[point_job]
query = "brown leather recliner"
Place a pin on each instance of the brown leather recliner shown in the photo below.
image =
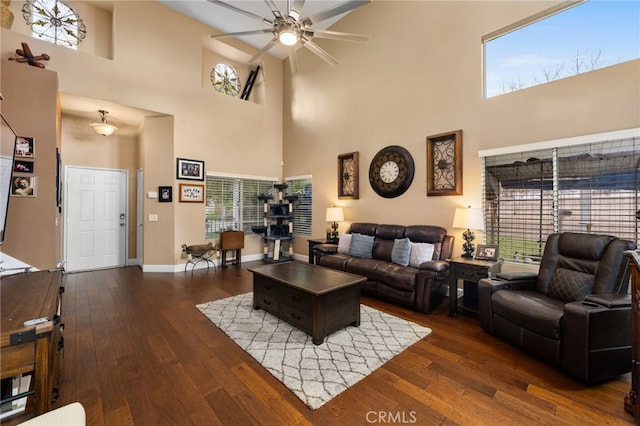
(575, 313)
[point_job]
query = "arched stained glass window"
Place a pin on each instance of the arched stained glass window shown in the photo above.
(54, 21)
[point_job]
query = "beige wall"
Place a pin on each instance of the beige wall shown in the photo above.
(31, 107)
(421, 75)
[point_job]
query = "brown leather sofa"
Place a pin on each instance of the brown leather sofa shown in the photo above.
(575, 313)
(418, 287)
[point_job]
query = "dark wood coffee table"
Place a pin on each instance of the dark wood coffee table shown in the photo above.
(317, 300)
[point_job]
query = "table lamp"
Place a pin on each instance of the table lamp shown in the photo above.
(470, 219)
(335, 215)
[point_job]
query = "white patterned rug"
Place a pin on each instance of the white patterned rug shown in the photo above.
(315, 374)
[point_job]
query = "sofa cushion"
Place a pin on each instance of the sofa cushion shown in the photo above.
(364, 267)
(344, 243)
(420, 253)
(570, 286)
(361, 245)
(530, 310)
(401, 251)
(396, 276)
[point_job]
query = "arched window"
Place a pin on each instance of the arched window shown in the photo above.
(54, 21)
(225, 79)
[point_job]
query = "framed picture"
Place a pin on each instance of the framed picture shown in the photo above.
(165, 194)
(191, 193)
(348, 172)
(487, 252)
(25, 147)
(189, 169)
(23, 186)
(23, 166)
(444, 164)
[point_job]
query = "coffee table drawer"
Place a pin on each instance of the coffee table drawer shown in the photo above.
(297, 318)
(296, 298)
(266, 302)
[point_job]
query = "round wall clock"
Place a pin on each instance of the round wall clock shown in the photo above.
(391, 171)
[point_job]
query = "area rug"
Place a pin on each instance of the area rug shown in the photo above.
(314, 373)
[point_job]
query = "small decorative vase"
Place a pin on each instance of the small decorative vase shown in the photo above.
(5, 14)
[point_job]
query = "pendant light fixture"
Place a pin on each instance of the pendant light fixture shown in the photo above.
(103, 128)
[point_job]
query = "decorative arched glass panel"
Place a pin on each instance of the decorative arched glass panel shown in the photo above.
(54, 21)
(225, 79)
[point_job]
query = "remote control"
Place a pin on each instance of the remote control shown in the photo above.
(35, 321)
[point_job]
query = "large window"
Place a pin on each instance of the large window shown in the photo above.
(301, 186)
(561, 42)
(590, 187)
(232, 203)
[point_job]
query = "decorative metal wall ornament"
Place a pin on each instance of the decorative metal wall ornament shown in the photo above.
(54, 22)
(348, 175)
(444, 164)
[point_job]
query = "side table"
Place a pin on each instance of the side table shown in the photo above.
(231, 241)
(315, 242)
(470, 271)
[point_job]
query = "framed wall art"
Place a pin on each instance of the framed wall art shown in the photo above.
(348, 172)
(23, 166)
(487, 252)
(191, 193)
(25, 147)
(23, 186)
(189, 169)
(165, 194)
(444, 164)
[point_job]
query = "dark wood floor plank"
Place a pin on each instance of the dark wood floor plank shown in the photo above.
(138, 351)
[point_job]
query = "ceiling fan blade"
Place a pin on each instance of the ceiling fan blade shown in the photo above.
(293, 59)
(336, 10)
(242, 11)
(335, 35)
(294, 11)
(264, 50)
(274, 9)
(242, 33)
(320, 52)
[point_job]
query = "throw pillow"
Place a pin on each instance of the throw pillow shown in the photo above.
(344, 244)
(401, 251)
(420, 253)
(361, 245)
(570, 286)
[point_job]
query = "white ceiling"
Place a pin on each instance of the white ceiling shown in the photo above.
(215, 16)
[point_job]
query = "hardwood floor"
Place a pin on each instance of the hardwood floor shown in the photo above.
(137, 351)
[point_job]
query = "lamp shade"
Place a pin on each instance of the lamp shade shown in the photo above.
(335, 214)
(468, 218)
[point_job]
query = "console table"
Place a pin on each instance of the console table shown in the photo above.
(32, 350)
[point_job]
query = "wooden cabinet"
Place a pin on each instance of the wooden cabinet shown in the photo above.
(632, 400)
(31, 350)
(231, 241)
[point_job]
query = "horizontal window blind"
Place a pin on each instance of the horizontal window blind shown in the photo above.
(591, 188)
(302, 212)
(232, 203)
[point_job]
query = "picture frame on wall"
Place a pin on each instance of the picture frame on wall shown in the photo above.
(487, 252)
(165, 194)
(348, 176)
(444, 164)
(191, 193)
(25, 147)
(23, 186)
(189, 169)
(23, 166)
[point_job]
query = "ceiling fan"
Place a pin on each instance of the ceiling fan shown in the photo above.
(293, 30)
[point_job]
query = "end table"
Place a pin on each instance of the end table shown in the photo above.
(470, 271)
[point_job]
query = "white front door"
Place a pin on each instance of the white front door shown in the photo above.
(96, 218)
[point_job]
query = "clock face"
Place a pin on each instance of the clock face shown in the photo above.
(391, 171)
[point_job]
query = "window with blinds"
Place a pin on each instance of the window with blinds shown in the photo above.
(591, 188)
(232, 203)
(302, 187)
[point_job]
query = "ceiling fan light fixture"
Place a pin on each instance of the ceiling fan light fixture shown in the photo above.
(103, 128)
(288, 37)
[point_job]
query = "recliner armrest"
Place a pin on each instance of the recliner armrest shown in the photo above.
(435, 265)
(610, 300)
(488, 286)
(326, 248)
